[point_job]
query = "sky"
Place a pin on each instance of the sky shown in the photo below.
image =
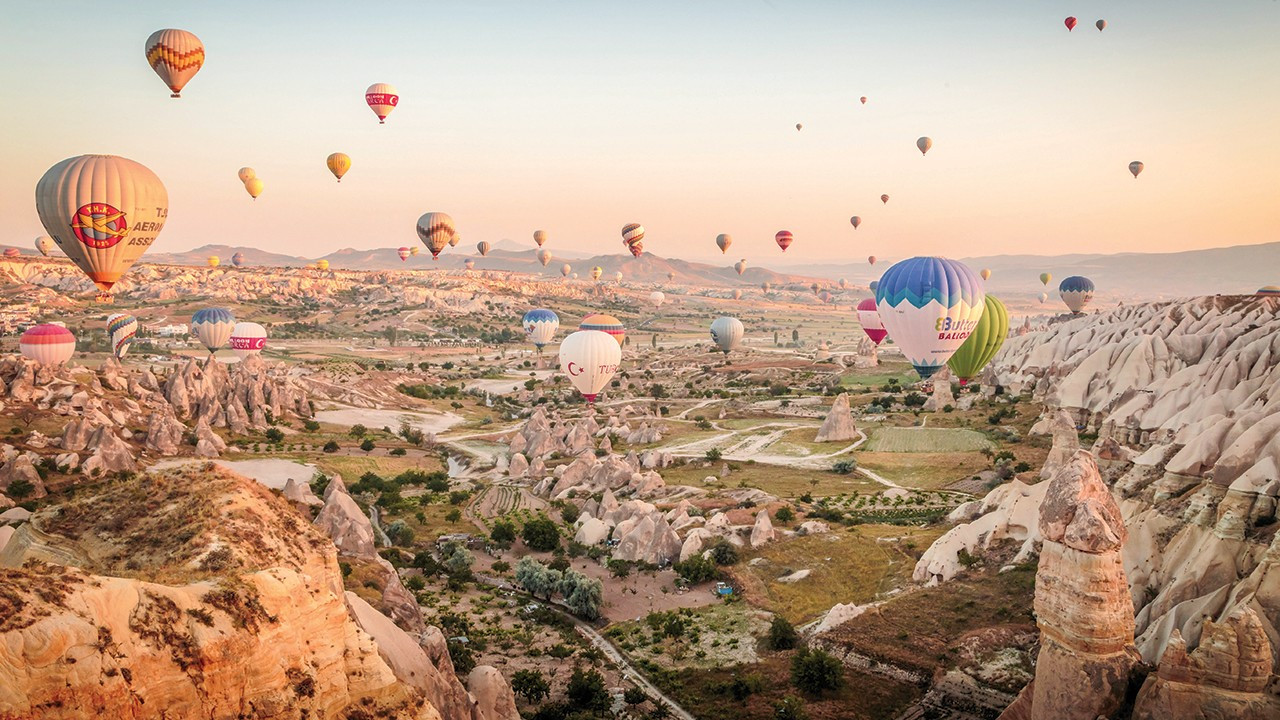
(580, 117)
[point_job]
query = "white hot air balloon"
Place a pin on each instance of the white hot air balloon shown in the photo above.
(544, 257)
(726, 333)
(930, 305)
(44, 245)
(176, 56)
(723, 241)
(565, 269)
(540, 326)
(382, 98)
(590, 358)
(248, 338)
(50, 344)
(618, 276)
(212, 327)
(656, 298)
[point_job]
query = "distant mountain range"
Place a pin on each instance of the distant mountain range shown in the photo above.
(1228, 270)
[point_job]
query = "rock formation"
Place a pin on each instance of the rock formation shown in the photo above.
(838, 427)
(343, 521)
(941, 396)
(492, 693)
(762, 533)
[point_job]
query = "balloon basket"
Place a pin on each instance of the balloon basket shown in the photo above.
(104, 297)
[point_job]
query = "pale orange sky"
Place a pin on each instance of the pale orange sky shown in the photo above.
(579, 117)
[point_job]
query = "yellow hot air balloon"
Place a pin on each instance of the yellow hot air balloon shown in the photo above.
(253, 186)
(1045, 278)
(339, 164)
(986, 274)
(176, 56)
(246, 174)
(214, 261)
(596, 272)
(322, 264)
(540, 237)
(103, 211)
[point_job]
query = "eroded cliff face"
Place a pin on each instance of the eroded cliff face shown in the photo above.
(193, 593)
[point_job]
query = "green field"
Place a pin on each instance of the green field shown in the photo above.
(926, 440)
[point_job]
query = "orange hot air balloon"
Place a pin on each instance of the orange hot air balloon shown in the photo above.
(540, 237)
(176, 56)
(338, 164)
(253, 186)
(884, 199)
(1070, 23)
(784, 238)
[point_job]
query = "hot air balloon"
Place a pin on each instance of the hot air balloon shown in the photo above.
(1135, 167)
(44, 245)
(544, 257)
(855, 221)
(1268, 290)
(103, 211)
(799, 127)
(764, 287)
(382, 99)
(453, 241)
(322, 265)
(1070, 23)
(248, 338)
(983, 343)
(617, 277)
(1101, 25)
(435, 229)
(338, 164)
(589, 358)
(1045, 278)
(212, 326)
(985, 273)
(784, 238)
(482, 247)
(873, 285)
(863, 99)
(843, 283)
(539, 237)
(573, 276)
(596, 272)
(213, 261)
(869, 319)
(726, 333)
(176, 56)
(238, 259)
(737, 294)
(12, 252)
(469, 263)
(246, 174)
(740, 266)
(404, 253)
(1077, 292)
(884, 199)
(605, 324)
(415, 250)
(1043, 298)
(540, 327)
(565, 269)
(924, 144)
(48, 344)
(121, 329)
(656, 298)
(929, 305)
(723, 241)
(815, 287)
(632, 237)
(253, 186)
(871, 259)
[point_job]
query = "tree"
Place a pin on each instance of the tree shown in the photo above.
(537, 578)
(586, 690)
(815, 671)
(784, 514)
(782, 634)
(331, 446)
(458, 560)
(367, 445)
(541, 534)
(633, 695)
(696, 569)
(713, 455)
(357, 430)
(583, 595)
(531, 685)
(845, 466)
(724, 553)
(503, 534)
(275, 436)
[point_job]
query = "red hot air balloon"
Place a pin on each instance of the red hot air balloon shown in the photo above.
(784, 238)
(1070, 23)
(404, 253)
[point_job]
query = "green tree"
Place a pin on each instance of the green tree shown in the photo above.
(583, 595)
(784, 514)
(713, 455)
(815, 671)
(782, 634)
(531, 685)
(331, 446)
(633, 695)
(275, 436)
(367, 445)
(503, 534)
(540, 534)
(586, 690)
(357, 430)
(696, 569)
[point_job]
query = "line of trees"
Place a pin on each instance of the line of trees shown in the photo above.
(582, 595)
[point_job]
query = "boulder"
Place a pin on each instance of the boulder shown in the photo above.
(493, 696)
(208, 444)
(762, 533)
(21, 469)
(592, 532)
(164, 432)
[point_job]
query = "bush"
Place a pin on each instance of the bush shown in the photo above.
(503, 534)
(331, 446)
(531, 685)
(784, 514)
(816, 672)
(586, 690)
(696, 569)
(275, 436)
(724, 553)
(790, 708)
(844, 467)
(357, 430)
(782, 634)
(454, 515)
(541, 534)
(367, 445)
(310, 425)
(713, 455)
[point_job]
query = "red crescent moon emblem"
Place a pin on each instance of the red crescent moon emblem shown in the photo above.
(570, 369)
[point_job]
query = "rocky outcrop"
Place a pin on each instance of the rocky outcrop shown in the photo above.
(20, 470)
(1065, 441)
(493, 696)
(343, 521)
(111, 454)
(648, 539)
(1082, 602)
(941, 397)
(762, 532)
(208, 444)
(164, 432)
(838, 427)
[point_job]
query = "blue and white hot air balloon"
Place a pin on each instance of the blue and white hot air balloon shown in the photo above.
(212, 326)
(540, 326)
(930, 305)
(1076, 292)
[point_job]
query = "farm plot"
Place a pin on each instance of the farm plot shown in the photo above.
(926, 440)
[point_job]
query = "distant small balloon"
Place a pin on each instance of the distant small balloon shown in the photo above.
(1070, 23)
(338, 164)
(855, 221)
(596, 272)
(737, 294)
(238, 259)
(381, 98)
(544, 257)
(213, 261)
(1135, 167)
(985, 273)
(799, 127)
(871, 259)
(740, 266)
(863, 99)
(784, 238)
(924, 144)
(723, 241)
(482, 247)
(884, 199)
(539, 237)
(843, 283)
(253, 186)
(246, 174)
(565, 270)
(764, 286)
(1102, 25)
(404, 253)
(1045, 278)
(469, 263)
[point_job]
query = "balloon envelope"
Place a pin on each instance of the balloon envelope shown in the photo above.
(740, 266)
(48, 344)
(983, 344)
(404, 253)
(607, 324)
(482, 247)
(1101, 25)
(176, 56)
(121, 330)
(869, 319)
(382, 98)
(1045, 278)
(929, 305)
(656, 298)
(726, 333)
(1135, 167)
(212, 327)
(985, 273)
(44, 245)
(1077, 292)
(784, 238)
(539, 237)
(253, 186)
(855, 221)
(248, 338)
(596, 272)
(544, 257)
(1070, 23)
(338, 164)
(924, 144)
(322, 264)
(566, 269)
(540, 326)
(632, 237)
(723, 241)
(589, 358)
(246, 174)
(435, 230)
(884, 199)
(469, 263)
(103, 211)
(213, 261)
(238, 259)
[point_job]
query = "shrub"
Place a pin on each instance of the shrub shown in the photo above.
(367, 445)
(713, 455)
(357, 430)
(816, 672)
(541, 534)
(696, 569)
(844, 467)
(331, 446)
(275, 435)
(782, 634)
(531, 685)
(784, 514)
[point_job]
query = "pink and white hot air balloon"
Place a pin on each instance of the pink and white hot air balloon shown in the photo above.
(404, 253)
(248, 338)
(590, 358)
(382, 98)
(48, 344)
(869, 319)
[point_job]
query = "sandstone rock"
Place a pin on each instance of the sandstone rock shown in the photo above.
(493, 695)
(300, 493)
(165, 432)
(1065, 442)
(763, 532)
(592, 532)
(75, 435)
(838, 427)
(21, 469)
(941, 396)
(518, 466)
(343, 521)
(110, 454)
(208, 444)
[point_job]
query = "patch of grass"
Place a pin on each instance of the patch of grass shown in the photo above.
(783, 481)
(926, 440)
(926, 471)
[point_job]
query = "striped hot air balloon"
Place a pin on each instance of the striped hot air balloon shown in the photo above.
(212, 327)
(121, 329)
(482, 247)
(435, 230)
(930, 306)
(869, 319)
(12, 252)
(983, 344)
(248, 338)
(633, 237)
(382, 98)
(176, 56)
(606, 324)
(48, 344)
(540, 326)
(784, 238)
(403, 253)
(1077, 292)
